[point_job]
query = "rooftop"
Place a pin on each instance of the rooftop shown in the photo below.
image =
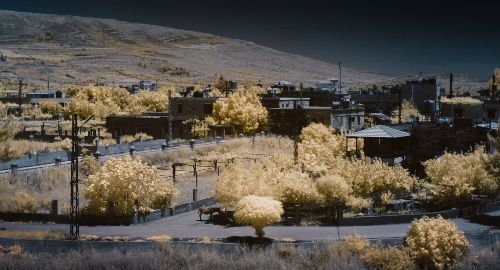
(379, 131)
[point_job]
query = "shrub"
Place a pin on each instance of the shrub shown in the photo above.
(455, 177)
(297, 188)
(125, 182)
(240, 180)
(89, 165)
(51, 107)
(258, 212)
(388, 258)
(435, 242)
(135, 138)
(334, 188)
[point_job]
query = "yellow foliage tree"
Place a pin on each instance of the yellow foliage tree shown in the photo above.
(240, 180)
(318, 146)
(407, 109)
(147, 101)
(334, 189)
(455, 177)
(244, 111)
(295, 187)
(51, 107)
(427, 245)
(125, 182)
(99, 101)
(258, 212)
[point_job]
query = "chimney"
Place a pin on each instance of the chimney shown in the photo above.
(451, 85)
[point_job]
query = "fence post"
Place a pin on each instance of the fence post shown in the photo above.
(173, 173)
(195, 194)
(13, 169)
(54, 211)
(57, 161)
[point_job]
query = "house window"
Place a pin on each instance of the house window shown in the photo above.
(359, 120)
(179, 108)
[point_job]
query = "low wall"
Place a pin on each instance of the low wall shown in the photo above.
(92, 220)
(483, 239)
(393, 219)
(41, 158)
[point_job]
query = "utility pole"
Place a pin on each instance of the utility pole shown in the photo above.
(340, 77)
(20, 99)
(169, 135)
(74, 210)
(74, 229)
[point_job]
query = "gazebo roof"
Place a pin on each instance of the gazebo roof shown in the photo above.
(379, 131)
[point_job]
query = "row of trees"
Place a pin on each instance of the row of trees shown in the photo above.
(103, 101)
(322, 175)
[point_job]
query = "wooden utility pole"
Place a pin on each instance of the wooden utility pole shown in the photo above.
(20, 98)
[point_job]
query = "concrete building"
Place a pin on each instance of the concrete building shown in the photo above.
(330, 85)
(284, 102)
(193, 107)
(424, 93)
(37, 96)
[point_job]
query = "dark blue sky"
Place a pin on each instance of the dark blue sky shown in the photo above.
(394, 37)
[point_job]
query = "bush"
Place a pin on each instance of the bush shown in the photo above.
(297, 188)
(455, 177)
(51, 107)
(334, 189)
(318, 146)
(435, 242)
(258, 212)
(89, 165)
(125, 182)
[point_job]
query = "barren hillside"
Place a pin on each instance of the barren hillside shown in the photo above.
(68, 49)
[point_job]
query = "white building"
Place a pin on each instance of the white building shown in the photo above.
(330, 85)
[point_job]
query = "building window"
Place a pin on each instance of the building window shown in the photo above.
(179, 108)
(359, 120)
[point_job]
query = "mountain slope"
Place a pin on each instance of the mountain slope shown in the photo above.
(68, 49)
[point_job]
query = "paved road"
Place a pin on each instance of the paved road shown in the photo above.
(186, 225)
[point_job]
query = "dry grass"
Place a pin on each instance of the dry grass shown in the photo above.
(461, 100)
(13, 149)
(165, 256)
(38, 235)
(33, 192)
(160, 238)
